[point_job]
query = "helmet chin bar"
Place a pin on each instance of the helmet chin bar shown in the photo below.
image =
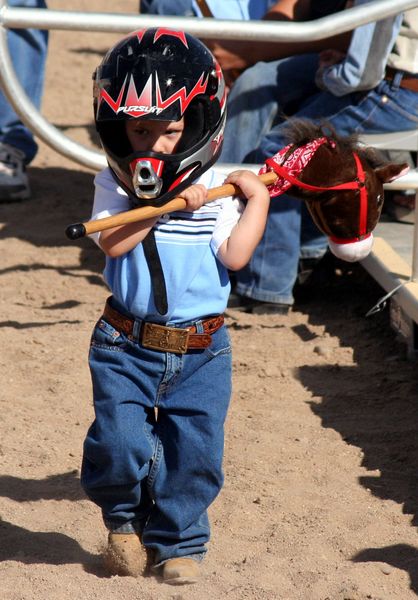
(146, 182)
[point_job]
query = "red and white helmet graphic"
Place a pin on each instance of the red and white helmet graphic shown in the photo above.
(159, 74)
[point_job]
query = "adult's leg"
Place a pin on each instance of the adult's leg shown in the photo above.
(272, 271)
(385, 109)
(166, 7)
(27, 48)
(263, 94)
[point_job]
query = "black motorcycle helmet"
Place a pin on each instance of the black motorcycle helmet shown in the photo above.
(159, 74)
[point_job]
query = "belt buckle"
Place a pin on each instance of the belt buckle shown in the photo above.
(165, 339)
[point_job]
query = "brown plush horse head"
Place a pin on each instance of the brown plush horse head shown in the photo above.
(340, 180)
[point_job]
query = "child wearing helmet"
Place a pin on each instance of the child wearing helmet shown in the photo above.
(160, 355)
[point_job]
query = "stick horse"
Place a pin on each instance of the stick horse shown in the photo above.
(340, 180)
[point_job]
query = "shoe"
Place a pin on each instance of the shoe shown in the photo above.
(238, 302)
(125, 555)
(256, 307)
(181, 571)
(306, 268)
(400, 207)
(269, 308)
(14, 184)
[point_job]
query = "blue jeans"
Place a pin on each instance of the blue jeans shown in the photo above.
(157, 477)
(272, 271)
(166, 7)
(262, 96)
(257, 101)
(27, 48)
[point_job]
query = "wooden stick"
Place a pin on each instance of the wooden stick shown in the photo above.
(78, 230)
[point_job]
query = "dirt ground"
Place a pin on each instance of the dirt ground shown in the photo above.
(320, 500)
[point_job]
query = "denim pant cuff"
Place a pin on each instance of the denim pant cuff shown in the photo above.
(129, 527)
(313, 252)
(263, 296)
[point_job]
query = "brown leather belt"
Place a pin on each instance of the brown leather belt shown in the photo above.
(163, 338)
(409, 82)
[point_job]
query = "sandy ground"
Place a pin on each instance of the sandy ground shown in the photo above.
(320, 499)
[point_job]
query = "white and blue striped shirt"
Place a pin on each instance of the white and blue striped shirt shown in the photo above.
(188, 242)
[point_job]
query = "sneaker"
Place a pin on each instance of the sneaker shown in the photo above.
(14, 184)
(256, 307)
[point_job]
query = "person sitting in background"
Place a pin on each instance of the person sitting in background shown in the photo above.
(27, 48)
(373, 89)
(272, 90)
(235, 56)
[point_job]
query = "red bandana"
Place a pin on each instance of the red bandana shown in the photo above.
(295, 163)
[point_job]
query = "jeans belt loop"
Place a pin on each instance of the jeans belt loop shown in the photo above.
(199, 327)
(397, 80)
(136, 330)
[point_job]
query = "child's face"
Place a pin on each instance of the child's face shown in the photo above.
(159, 136)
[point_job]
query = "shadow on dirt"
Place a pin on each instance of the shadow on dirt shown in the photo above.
(60, 197)
(63, 486)
(35, 547)
(399, 556)
(376, 407)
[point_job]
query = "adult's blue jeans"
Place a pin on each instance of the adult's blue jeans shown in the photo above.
(27, 48)
(157, 477)
(272, 270)
(262, 96)
(166, 7)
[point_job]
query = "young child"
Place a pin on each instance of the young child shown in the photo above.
(160, 355)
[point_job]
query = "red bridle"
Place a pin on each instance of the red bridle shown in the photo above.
(282, 169)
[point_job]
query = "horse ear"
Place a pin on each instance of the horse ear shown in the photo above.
(391, 171)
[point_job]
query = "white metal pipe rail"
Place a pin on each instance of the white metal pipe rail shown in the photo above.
(263, 31)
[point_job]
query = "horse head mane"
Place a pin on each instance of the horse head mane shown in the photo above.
(301, 131)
